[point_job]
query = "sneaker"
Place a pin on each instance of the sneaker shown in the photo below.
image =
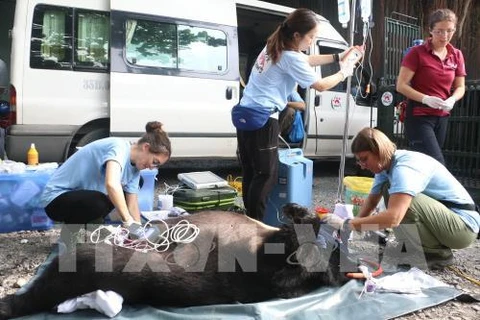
(438, 262)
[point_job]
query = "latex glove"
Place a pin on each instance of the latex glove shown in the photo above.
(342, 54)
(129, 222)
(334, 221)
(346, 69)
(449, 103)
(433, 102)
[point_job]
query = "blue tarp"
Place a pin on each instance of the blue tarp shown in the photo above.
(325, 303)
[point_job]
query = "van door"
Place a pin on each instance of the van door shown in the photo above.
(328, 116)
(176, 62)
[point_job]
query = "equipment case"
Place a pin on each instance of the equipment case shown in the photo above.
(200, 199)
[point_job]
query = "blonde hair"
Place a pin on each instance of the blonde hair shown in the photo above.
(375, 141)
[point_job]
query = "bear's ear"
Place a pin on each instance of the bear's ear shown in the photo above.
(295, 212)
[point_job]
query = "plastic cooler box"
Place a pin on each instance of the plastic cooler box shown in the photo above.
(356, 191)
(294, 184)
(20, 208)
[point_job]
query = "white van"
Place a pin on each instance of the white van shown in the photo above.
(86, 69)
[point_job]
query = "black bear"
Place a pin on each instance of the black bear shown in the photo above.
(233, 259)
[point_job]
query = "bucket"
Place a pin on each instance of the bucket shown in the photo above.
(356, 191)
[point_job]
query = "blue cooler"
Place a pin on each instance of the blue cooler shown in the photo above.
(294, 185)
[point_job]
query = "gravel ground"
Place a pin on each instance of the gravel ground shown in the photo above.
(22, 252)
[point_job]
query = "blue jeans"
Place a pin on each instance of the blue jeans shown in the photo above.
(427, 134)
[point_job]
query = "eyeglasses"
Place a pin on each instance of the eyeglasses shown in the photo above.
(442, 32)
(361, 161)
(155, 162)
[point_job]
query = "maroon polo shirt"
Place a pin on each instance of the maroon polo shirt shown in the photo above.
(433, 76)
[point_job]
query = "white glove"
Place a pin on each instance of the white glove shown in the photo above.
(342, 54)
(449, 103)
(129, 222)
(334, 221)
(346, 69)
(433, 102)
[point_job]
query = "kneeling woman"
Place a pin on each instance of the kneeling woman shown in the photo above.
(102, 176)
(418, 191)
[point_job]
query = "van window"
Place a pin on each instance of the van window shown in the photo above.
(92, 41)
(167, 45)
(57, 31)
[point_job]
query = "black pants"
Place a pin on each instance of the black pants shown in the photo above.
(285, 121)
(79, 207)
(258, 151)
(427, 134)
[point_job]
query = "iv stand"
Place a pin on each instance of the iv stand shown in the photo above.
(341, 174)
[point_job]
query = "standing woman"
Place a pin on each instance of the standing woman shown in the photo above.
(278, 69)
(432, 77)
(102, 176)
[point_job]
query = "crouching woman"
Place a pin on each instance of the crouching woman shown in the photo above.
(427, 207)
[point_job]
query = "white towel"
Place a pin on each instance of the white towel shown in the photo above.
(109, 303)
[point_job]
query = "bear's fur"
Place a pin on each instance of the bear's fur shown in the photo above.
(233, 259)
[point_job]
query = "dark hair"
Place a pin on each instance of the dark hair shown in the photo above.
(301, 20)
(375, 141)
(441, 15)
(157, 138)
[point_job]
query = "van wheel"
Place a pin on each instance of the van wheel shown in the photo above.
(92, 136)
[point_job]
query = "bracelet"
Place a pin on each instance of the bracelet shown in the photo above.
(336, 57)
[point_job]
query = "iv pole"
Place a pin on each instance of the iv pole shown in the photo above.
(347, 114)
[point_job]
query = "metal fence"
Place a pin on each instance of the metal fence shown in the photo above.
(399, 36)
(462, 146)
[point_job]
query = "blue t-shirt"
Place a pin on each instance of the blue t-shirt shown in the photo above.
(294, 97)
(414, 172)
(85, 169)
(270, 84)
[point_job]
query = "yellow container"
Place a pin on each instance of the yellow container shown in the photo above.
(32, 155)
(356, 191)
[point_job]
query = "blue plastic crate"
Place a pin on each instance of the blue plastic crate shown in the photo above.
(20, 208)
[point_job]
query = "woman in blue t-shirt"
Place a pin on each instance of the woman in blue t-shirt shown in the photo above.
(279, 67)
(430, 211)
(102, 176)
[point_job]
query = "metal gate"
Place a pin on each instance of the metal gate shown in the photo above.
(399, 35)
(462, 146)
